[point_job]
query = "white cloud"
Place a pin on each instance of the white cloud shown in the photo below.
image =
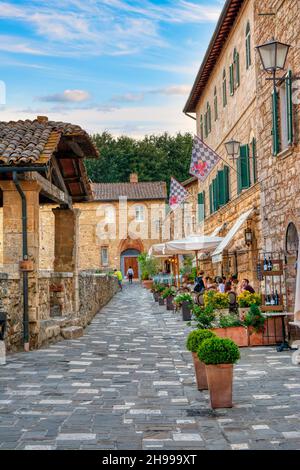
(128, 98)
(135, 121)
(68, 96)
(173, 90)
(97, 27)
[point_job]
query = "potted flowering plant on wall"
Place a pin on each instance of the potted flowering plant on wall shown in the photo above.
(255, 321)
(219, 355)
(216, 300)
(194, 340)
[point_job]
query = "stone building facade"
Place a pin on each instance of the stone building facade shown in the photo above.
(233, 100)
(122, 221)
(279, 170)
(224, 101)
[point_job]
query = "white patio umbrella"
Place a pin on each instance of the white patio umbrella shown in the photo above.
(194, 243)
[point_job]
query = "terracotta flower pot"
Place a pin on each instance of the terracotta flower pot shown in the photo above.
(200, 373)
(148, 284)
(255, 337)
(219, 379)
(238, 334)
(170, 305)
(186, 311)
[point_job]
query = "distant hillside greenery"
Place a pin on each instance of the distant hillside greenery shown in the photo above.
(154, 158)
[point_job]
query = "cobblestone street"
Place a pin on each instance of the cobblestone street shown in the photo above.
(128, 383)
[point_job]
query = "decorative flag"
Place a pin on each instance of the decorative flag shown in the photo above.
(203, 159)
(177, 194)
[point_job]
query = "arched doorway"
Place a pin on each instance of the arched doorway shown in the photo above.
(129, 251)
(291, 252)
(129, 258)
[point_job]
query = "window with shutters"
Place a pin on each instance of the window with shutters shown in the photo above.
(201, 207)
(205, 125)
(248, 46)
(211, 199)
(282, 116)
(224, 89)
(236, 69)
(208, 112)
(215, 104)
(243, 169)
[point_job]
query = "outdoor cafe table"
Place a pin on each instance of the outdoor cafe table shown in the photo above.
(283, 316)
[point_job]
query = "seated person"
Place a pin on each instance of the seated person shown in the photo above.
(209, 283)
(245, 286)
(199, 283)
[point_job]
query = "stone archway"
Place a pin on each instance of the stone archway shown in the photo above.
(291, 253)
(129, 250)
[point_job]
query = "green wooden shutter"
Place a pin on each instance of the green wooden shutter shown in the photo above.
(239, 175)
(216, 107)
(205, 126)
(245, 167)
(254, 162)
(231, 80)
(209, 119)
(211, 202)
(215, 195)
(201, 206)
(275, 133)
(289, 106)
(248, 52)
(224, 92)
(201, 127)
(237, 69)
(226, 184)
(221, 187)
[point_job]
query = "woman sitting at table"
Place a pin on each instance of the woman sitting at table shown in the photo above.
(209, 284)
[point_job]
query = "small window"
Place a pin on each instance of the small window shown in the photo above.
(104, 256)
(139, 214)
(224, 88)
(216, 104)
(248, 46)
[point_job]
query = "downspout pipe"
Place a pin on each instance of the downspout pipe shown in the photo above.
(25, 257)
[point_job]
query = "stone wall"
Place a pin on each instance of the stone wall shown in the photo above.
(56, 305)
(94, 290)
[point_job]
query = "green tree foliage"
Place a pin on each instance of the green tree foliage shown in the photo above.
(154, 158)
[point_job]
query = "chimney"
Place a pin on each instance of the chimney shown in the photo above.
(42, 119)
(134, 178)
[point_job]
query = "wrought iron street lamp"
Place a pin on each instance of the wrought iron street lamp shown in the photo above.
(273, 55)
(233, 148)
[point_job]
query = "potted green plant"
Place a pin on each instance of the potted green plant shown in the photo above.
(156, 290)
(187, 305)
(149, 267)
(184, 297)
(219, 355)
(254, 320)
(193, 342)
(168, 294)
(204, 316)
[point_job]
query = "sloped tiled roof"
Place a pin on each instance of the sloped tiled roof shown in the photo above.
(133, 191)
(33, 142)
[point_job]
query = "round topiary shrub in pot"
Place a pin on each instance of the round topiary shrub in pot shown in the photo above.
(219, 355)
(193, 342)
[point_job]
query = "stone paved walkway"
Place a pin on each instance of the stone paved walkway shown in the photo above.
(129, 384)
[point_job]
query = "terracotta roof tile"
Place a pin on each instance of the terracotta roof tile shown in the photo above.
(25, 142)
(133, 191)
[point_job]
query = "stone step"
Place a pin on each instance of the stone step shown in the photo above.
(72, 332)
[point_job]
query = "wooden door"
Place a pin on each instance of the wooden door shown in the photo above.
(133, 262)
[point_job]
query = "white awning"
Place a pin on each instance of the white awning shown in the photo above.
(217, 254)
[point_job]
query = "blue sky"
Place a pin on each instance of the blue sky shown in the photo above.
(125, 66)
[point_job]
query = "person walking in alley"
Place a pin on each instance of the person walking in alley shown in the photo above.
(119, 276)
(130, 274)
